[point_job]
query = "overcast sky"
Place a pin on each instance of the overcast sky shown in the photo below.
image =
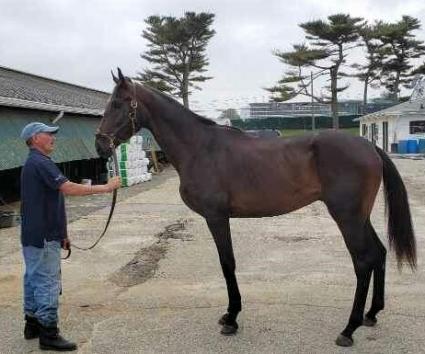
(80, 41)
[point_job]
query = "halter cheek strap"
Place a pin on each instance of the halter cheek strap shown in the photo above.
(132, 114)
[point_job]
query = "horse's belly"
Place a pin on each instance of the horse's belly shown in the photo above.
(266, 203)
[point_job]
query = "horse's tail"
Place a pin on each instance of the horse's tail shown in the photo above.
(400, 230)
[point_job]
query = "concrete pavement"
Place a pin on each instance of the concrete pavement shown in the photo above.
(154, 284)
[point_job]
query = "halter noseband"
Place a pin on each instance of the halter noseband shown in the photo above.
(131, 116)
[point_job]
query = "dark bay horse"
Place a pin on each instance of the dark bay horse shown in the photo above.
(226, 173)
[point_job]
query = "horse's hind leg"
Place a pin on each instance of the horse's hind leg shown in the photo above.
(220, 230)
(378, 300)
(359, 243)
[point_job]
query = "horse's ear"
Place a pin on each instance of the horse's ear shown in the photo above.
(114, 77)
(120, 75)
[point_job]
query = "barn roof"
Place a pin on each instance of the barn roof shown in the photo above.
(26, 97)
(24, 90)
(403, 109)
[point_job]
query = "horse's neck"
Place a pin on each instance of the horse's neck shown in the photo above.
(179, 134)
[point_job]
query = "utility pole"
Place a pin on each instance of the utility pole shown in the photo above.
(313, 123)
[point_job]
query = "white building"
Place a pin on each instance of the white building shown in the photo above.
(401, 122)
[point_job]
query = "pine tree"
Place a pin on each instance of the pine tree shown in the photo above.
(176, 50)
(369, 73)
(402, 46)
(326, 51)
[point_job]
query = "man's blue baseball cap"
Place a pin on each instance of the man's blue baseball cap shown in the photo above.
(36, 127)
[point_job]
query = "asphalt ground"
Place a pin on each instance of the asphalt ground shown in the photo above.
(154, 283)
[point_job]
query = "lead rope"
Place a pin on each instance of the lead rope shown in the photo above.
(132, 117)
(111, 212)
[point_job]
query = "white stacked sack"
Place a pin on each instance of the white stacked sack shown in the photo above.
(132, 162)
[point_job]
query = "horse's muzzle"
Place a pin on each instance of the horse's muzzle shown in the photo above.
(103, 146)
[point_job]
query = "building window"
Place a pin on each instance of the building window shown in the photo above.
(417, 127)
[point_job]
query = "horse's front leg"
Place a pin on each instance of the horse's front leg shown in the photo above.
(220, 230)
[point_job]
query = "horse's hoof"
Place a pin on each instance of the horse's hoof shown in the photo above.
(229, 330)
(344, 341)
(369, 322)
(223, 319)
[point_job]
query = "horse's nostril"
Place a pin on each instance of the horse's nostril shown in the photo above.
(103, 148)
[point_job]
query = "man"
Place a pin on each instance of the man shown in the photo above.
(43, 233)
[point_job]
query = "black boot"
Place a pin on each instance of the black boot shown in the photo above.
(50, 339)
(32, 327)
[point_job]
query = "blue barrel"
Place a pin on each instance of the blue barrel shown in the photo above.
(402, 146)
(412, 146)
(421, 146)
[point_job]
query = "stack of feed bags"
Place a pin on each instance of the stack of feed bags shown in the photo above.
(132, 162)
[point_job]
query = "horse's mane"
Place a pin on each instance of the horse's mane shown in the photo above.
(171, 100)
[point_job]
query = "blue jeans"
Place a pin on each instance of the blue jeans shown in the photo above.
(42, 282)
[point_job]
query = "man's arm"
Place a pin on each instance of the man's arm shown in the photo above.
(71, 188)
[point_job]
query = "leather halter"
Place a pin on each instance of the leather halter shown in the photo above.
(132, 118)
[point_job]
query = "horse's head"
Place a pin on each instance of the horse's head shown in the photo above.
(120, 119)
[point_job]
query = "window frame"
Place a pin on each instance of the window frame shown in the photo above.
(418, 128)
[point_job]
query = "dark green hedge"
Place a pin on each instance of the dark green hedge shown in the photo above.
(322, 122)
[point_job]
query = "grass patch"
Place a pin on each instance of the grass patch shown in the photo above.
(297, 132)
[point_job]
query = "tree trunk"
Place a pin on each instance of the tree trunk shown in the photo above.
(396, 85)
(185, 93)
(334, 100)
(186, 100)
(364, 107)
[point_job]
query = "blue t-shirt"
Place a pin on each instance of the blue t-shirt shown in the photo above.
(42, 203)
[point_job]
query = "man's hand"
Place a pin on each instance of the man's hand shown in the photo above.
(114, 183)
(66, 244)
(71, 188)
